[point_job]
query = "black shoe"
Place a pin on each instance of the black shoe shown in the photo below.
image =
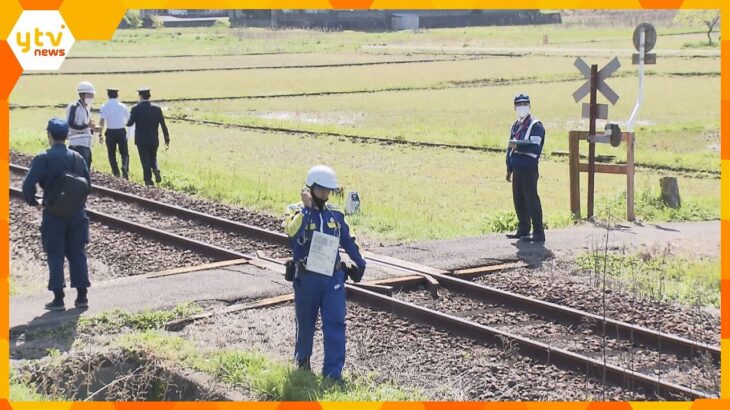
(57, 303)
(81, 301)
(125, 175)
(148, 183)
(158, 177)
(517, 235)
(304, 365)
(535, 238)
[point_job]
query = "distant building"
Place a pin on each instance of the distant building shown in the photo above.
(180, 17)
(384, 20)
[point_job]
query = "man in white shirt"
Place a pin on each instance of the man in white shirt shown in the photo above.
(80, 124)
(114, 115)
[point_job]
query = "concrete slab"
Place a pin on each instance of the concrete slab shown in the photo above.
(136, 294)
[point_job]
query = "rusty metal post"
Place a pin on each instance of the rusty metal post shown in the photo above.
(591, 144)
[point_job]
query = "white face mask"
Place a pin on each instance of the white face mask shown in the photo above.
(88, 101)
(522, 111)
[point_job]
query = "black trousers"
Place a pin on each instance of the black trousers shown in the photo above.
(148, 157)
(85, 153)
(527, 202)
(117, 138)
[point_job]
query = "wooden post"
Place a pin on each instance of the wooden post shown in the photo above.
(630, 177)
(591, 144)
(574, 159)
(670, 192)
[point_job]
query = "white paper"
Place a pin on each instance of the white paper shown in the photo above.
(323, 253)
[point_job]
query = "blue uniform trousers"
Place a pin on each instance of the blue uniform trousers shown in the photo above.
(314, 293)
(66, 239)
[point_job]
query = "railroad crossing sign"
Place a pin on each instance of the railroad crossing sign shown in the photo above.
(595, 82)
(603, 74)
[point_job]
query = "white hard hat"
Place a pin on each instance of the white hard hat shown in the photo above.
(323, 176)
(86, 87)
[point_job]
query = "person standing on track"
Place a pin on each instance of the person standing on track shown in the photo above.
(316, 230)
(527, 137)
(147, 117)
(64, 232)
(114, 115)
(81, 126)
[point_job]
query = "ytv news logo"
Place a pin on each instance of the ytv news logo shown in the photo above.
(40, 40)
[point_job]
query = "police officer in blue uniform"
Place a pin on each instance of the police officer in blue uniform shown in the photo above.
(147, 117)
(316, 228)
(61, 238)
(527, 137)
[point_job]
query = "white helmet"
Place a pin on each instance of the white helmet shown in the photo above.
(86, 87)
(323, 176)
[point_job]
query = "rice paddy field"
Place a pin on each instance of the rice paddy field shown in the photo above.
(250, 110)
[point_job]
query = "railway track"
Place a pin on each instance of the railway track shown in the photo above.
(176, 225)
(475, 323)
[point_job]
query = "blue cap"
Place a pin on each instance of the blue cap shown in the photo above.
(522, 98)
(57, 127)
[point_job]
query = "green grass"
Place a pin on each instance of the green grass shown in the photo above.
(117, 320)
(218, 40)
(407, 193)
(36, 90)
(684, 133)
(22, 390)
(685, 279)
(268, 379)
(226, 62)
(649, 205)
(281, 382)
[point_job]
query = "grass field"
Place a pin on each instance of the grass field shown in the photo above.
(481, 116)
(237, 41)
(408, 192)
(229, 61)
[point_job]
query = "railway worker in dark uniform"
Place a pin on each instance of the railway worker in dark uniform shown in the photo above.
(147, 117)
(81, 126)
(527, 137)
(114, 115)
(316, 230)
(61, 237)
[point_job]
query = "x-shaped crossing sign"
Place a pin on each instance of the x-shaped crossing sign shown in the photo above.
(603, 74)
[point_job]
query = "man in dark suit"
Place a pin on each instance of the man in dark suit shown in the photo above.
(147, 117)
(62, 238)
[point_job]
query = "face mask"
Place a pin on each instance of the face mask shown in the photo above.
(88, 101)
(319, 203)
(522, 111)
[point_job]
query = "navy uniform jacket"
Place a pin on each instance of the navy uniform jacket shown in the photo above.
(301, 222)
(147, 117)
(526, 156)
(49, 165)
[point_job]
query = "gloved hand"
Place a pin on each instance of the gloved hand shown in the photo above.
(353, 272)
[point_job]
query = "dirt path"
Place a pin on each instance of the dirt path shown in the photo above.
(694, 238)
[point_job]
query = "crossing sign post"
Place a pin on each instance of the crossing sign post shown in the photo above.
(595, 83)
